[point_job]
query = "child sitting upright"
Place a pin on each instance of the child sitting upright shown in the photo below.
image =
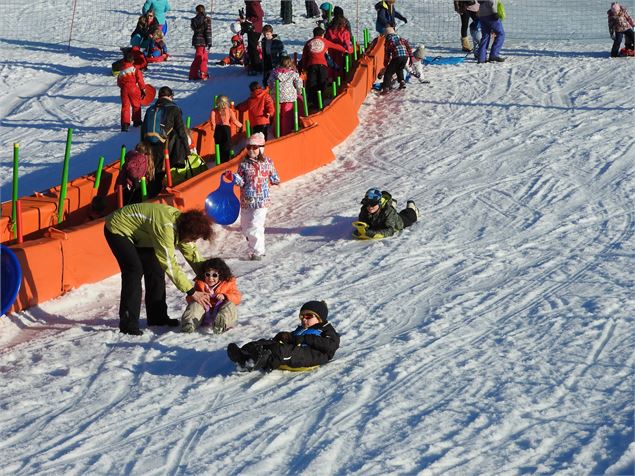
(157, 50)
(236, 52)
(621, 25)
(217, 281)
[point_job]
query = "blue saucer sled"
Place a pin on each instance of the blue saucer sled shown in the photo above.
(11, 276)
(222, 205)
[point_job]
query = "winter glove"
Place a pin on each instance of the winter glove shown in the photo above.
(405, 20)
(284, 337)
(228, 175)
(143, 93)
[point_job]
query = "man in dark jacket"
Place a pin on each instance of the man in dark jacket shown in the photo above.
(379, 213)
(312, 343)
(201, 25)
(172, 132)
(386, 15)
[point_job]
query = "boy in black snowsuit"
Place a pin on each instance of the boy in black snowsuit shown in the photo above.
(313, 342)
(379, 213)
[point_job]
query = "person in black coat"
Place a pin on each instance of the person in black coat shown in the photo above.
(379, 213)
(313, 342)
(272, 51)
(176, 136)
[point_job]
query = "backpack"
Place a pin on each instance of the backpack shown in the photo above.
(154, 125)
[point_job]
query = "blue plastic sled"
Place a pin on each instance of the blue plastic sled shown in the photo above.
(222, 205)
(439, 60)
(11, 275)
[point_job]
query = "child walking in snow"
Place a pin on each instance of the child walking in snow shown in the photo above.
(253, 176)
(290, 88)
(201, 25)
(221, 315)
(132, 86)
(221, 119)
(380, 214)
(621, 25)
(313, 342)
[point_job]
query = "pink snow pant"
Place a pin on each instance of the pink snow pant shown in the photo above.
(198, 70)
(286, 118)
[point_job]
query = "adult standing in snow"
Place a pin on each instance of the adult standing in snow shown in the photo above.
(201, 25)
(490, 23)
(467, 9)
(143, 238)
(620, 25)
(387, 15)
(254, 14)
(160, 8)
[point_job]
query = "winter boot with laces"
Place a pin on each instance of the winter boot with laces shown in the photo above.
(413, 206)
(465, 43)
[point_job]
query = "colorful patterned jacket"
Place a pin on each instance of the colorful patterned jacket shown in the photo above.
(253, 177)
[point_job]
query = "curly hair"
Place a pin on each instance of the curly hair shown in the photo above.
(192, 225)
(224, 273)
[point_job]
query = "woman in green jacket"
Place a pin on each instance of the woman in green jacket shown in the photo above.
(143, 238)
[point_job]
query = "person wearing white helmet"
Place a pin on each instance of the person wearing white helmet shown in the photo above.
(254, 175)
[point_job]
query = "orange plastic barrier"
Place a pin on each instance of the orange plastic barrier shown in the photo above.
(78, 253)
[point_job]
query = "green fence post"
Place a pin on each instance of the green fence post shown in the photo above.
(320, 103)
(305, 103)
(296, 122)
(100, 166)
(217, 151)
(64, 186)
(247, 129)
(277, 108)
(334, 88)
(122, 157)
(354, 48)
(14, 199)
(144, 189)
(188, 121)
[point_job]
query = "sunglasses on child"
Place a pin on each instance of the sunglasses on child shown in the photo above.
(308, 315)
(253, 147)
(209, 274)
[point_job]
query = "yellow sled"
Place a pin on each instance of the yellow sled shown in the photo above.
(360, 232)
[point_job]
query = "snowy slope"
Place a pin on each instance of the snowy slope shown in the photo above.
(493, 337)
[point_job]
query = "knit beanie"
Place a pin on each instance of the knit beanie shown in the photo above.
(615, 7)
(257, 139)
(318, 307)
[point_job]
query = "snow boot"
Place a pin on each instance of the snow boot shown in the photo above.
(125, 127)
(411, 204)
(465, 44)
(402, 85)
(496, 59)
(236, 354)
(263, 360)
(165, 321)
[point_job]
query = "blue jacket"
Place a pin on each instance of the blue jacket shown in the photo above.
(160, 7)
(386, 15)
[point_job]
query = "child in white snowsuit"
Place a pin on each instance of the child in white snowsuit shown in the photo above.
(620, 25)
(253, 176)
(313, 342)
(216, 280)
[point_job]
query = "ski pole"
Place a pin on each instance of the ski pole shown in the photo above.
(64, 186)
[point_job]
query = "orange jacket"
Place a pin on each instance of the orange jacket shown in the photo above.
(228, 288)
(226, 117)
(260, 107)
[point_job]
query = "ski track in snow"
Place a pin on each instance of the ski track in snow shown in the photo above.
(493, 337)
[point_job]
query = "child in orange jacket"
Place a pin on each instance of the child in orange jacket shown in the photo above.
(221, 118)
(260, 107)
(216, 280)
(132, 86)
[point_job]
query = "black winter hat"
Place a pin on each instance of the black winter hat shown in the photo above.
(318, 307)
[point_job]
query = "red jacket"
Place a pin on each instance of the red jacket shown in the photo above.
(254, 13)
(130, 76)
(260, 107)
(315, 50)
(340, 37)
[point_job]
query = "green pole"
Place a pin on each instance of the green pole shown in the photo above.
(188, 121)
(330, 13)
(305, 103)
(296, 123)
(277, 108)
(217, 151)
(122, 157)
(354, 48)
(63, 190)
(100, 167)
(215, 98)
(339, 81)
(347, 63)
(366, 38)
(247, 129)
(334, 87)
(320, 104)
(14, 201)
(144, 189)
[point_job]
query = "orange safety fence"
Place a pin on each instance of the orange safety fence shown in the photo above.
(55, 260)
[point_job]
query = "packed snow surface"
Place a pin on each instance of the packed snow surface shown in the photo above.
(495, 336)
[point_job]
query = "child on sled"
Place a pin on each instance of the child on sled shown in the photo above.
(157, 50)
(236, 52)
(380, 215)
(621, 26)
(312, 343)
(217, 281)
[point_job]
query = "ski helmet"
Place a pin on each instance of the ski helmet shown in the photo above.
(235, 27)
(372, 197)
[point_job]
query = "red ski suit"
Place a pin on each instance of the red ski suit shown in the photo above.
(130, 82)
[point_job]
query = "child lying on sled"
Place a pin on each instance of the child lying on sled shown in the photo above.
(312, 343)
(378, 212)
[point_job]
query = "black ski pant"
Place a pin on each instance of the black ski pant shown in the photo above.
(312, 10)
(617, 42)
(253, 39)
(408, 216)
(264, 128)
(134, 264)
(223, 137)
(286, 11)
(396, 66)
(316, 77)
(465, 19)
